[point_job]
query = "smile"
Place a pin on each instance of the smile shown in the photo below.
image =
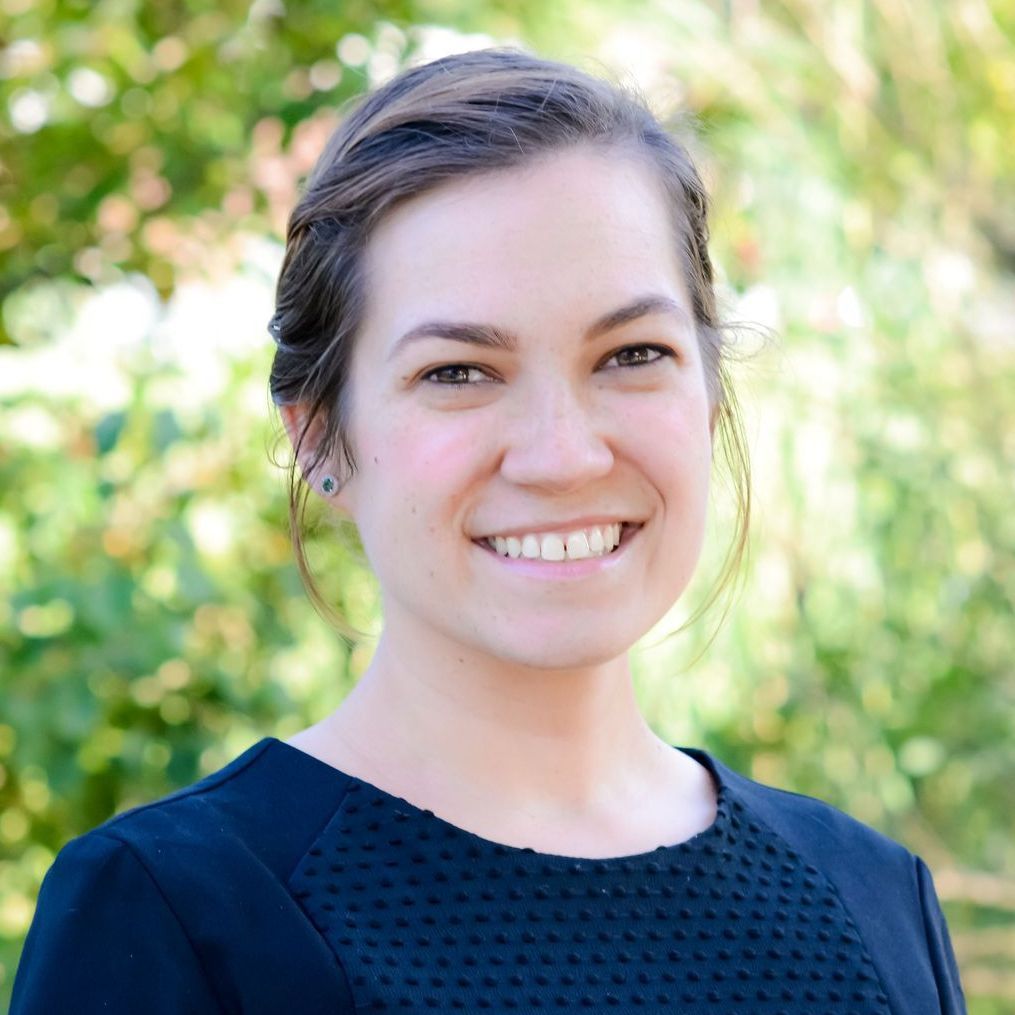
(579, 544)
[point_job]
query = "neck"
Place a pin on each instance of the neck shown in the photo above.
(462, 722)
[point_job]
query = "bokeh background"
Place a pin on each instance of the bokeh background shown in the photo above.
(861, 154)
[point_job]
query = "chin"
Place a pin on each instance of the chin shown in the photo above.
(566, 654)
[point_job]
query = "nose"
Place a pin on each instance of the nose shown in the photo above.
(555, 440)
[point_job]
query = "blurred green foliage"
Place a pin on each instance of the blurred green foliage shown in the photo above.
(862, 158)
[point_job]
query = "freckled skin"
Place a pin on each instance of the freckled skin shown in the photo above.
(499, 699)
(539, 252)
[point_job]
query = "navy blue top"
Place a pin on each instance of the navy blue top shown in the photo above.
(281, 884)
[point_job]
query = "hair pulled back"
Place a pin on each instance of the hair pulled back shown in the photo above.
(456, 117)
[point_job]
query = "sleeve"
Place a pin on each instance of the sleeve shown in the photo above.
(105, 939)
(946, 973)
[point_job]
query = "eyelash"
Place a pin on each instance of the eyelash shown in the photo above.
(662, 352)
(431, 375)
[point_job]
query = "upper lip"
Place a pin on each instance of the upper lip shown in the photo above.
(564, 527)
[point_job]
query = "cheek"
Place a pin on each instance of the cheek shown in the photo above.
(411, 481)
(416, 470)
(673, 440)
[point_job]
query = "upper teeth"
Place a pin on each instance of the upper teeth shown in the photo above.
(592, 542)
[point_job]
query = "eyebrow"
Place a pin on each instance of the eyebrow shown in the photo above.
(491, 337)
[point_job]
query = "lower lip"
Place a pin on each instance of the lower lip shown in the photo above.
(564, 570)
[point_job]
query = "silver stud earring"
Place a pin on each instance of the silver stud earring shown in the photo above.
(329, 485)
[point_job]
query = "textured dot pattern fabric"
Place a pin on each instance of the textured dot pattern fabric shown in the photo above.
(424, 916)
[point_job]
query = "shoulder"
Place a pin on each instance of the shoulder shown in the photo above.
(104, 938)
(815, 828)
(887, 890)
(861, 862)
(183, 904)
(267, 805)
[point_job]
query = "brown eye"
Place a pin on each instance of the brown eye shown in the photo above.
(639, 355)
(454, 375)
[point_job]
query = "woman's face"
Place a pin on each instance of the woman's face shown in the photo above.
(526, 381)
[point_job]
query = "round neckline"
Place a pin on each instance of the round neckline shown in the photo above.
(700, 840)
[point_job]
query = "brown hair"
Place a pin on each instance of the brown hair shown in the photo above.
(456, 117)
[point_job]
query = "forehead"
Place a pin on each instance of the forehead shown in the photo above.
(563, 238)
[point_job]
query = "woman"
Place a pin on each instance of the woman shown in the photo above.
(499, 356)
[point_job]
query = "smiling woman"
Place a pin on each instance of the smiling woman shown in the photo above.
(499, 356)
(561, 286)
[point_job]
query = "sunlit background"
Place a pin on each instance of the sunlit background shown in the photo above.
(862, 158)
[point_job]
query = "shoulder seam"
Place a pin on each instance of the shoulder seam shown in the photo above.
(938, 946)
(169, 906)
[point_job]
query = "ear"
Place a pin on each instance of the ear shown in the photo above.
(294, 417)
